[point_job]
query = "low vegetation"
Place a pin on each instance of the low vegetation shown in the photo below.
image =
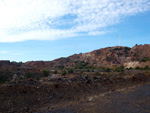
(40, 83)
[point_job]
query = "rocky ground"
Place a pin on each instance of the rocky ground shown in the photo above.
(67, 94)
(135, 99)
(85, 82)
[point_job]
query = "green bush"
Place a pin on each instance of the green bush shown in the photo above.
(146, 68)
(61, 67)
(1, 79)
(107, 69)
(119, 54)
(137, 68)
(70, 70)
(119, 69)
(126, 50)
(103, 75)
(145, 59)
(28, 75)
(121, 73)
(97, 73)
(130, 68)
(36, 78)
(45, 73)
(81, 71)
(82, 65)
(107, 58)
(55, 72)
(142, 68)
(63, 72)
(118, 48)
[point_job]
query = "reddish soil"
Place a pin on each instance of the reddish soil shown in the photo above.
(35, 96)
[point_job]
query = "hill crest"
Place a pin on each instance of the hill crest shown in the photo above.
(104, 57)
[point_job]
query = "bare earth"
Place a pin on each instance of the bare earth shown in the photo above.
(83, 95)
(134, 99)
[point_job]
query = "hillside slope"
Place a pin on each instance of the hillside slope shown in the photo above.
(105, 57)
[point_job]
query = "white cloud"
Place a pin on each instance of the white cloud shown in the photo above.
(4, 52)
(11, 53)
(51, 34)
(55, 19)
(16, 54)
(97, 32)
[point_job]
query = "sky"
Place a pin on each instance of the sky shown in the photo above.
(33, 30)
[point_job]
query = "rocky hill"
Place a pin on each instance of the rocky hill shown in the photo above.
(138, 55)
(39, 86)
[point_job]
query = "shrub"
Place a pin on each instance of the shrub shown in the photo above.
(146, 68)
(119, 69)
(137, 68)
(61, 67)
(107, 58)
(136, 55)
(119, 54)
(81, 71)
(82, 65)
(55, 72)
(117, 48)
(70, 70)
(127, 48)
(76, 62)
(97, 73)
(145, 59)
(36, 78)
(63, 72)
(45, 73)
(103, 75)
(121, 73)
(130, 68)
(107, 69)
(28, 75)
(1, 79)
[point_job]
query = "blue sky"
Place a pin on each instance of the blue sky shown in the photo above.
(50, 29)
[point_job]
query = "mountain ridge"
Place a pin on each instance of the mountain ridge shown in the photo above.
(104, 57)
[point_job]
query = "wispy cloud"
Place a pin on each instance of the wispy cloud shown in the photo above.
(4, 52)
(97, 32)
(55, 19)
(11, 53)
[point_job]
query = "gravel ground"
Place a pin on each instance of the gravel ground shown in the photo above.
(128, 100)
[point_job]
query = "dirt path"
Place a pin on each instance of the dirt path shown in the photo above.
(129, 100)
